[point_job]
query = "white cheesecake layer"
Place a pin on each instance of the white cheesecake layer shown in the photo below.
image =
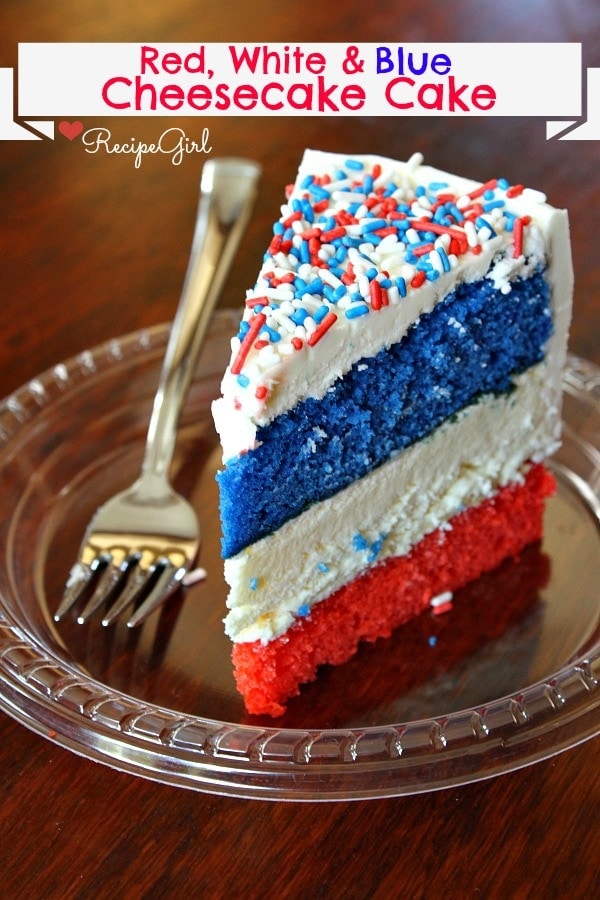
(385, 513)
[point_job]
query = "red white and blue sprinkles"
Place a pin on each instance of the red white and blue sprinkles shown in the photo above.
(352, 242)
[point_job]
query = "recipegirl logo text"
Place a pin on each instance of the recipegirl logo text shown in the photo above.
(173, 142)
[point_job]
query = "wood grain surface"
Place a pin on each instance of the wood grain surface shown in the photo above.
(92, 248)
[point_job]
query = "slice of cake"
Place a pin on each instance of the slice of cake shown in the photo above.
(392, 393)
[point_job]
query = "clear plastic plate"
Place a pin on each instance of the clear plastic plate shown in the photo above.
(509, 677)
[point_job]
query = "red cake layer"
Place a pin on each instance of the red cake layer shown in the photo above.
(391, 593)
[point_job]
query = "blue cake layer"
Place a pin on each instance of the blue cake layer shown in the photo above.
(473, 342)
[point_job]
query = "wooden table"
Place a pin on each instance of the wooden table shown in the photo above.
(93, 248)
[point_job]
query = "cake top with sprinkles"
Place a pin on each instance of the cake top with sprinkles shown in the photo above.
(363, 246)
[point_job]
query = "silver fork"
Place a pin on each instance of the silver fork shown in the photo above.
(145, 539)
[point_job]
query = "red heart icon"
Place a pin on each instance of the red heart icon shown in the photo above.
(70, 129)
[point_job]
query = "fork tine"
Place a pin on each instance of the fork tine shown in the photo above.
(109, 579)
(168, 581)
(135, 585)
(79, 578)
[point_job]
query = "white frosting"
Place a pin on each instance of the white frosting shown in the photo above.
(461, 463)
(287, 376)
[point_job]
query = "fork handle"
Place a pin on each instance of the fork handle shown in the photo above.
(228, 189)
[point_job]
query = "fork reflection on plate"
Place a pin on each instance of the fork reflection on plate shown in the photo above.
(141, 543)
